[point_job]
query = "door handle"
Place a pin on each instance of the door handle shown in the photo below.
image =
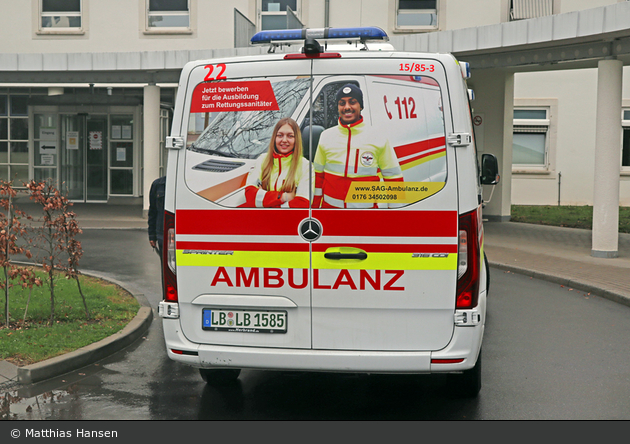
(337, 253)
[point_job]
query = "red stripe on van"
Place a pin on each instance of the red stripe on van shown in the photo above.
(317, 247)
(387, 222)
(418, 147)
(336, 222)
(411, 159)
(238, 222)
(243, 246)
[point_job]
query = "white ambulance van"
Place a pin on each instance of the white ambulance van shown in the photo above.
(347, 238)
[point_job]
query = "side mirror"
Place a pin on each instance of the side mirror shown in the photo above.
(489, 170)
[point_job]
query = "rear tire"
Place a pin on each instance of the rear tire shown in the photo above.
(219, 376)
(468, 383)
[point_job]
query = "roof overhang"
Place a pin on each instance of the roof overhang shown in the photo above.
(563, 41)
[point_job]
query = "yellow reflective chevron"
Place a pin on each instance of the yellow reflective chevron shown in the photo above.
(422, 160)
(388, 261)
(255, 259)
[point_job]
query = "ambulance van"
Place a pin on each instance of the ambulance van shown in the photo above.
(371, 259)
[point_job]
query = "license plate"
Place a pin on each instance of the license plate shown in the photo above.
(244, 321)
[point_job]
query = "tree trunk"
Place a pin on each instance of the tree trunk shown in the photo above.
(28, 301)
(6, 294)
(87, 313)
(52, 295)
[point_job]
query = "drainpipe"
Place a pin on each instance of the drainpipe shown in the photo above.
(559, 182)
(326, 13)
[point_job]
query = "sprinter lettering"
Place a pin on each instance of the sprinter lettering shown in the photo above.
(378, 280)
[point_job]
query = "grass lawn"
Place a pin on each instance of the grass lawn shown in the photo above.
(31, 340)
(565, 216)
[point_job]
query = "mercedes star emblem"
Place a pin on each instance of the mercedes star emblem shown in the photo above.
(310, 229)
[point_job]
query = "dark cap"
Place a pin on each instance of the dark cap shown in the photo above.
(350, 90)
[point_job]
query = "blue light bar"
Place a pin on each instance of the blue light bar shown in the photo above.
(365, 33)
(288, 35)
(283, 35)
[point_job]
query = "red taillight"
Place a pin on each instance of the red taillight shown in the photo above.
(447, 361)
(469, 260)
(168, 258)
(185, 352)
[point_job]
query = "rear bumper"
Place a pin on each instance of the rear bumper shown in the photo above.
(464, 346)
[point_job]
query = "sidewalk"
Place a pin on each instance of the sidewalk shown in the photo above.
(560, 255)
(98, 215)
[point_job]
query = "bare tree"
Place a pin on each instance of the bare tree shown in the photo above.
(49, 238)
(12, 230)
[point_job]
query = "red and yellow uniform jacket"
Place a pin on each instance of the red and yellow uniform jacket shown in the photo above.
(257, 197)
(349, 153)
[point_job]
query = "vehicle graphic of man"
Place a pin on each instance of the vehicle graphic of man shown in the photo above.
(350, 152)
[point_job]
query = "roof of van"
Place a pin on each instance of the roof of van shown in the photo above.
(356, 46)
(374, 49)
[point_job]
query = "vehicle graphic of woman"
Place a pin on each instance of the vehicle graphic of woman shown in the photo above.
(280, 177)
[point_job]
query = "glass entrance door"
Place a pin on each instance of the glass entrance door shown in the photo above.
(84, 157)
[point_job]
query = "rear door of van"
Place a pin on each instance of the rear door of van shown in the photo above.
(384, 277)
(243, 272)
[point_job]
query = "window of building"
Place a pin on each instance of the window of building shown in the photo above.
(416, 14)
(60, 14)
(121, 155)
(168, 14)
(46, 147)
(526, 9)
(279, 14)
(14, 138)
(530, 143)
(625, 152)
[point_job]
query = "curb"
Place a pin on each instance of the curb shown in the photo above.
(619, 298)
(93, 352)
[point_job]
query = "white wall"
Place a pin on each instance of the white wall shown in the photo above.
(118, 26)
(453, 14)
(465, 13)
(578, 5)
(576, 91)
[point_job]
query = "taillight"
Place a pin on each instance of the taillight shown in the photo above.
(469, 260)
(168, 259)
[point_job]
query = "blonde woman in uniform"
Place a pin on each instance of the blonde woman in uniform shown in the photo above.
(280, 178)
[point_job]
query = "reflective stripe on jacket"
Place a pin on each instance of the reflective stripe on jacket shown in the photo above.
(257, 197)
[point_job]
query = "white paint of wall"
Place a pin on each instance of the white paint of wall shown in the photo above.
(494, 97)
(466, 14)
(579, 5)
(346, 13)
(575, 150)
(118, 26)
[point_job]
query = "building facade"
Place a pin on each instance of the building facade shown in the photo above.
(87, 87)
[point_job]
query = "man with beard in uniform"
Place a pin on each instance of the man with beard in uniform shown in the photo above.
(351, 152)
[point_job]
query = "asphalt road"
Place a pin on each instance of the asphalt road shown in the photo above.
(549, 352)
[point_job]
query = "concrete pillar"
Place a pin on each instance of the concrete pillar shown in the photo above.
(494, 98)
(607, 159)
(151, 145)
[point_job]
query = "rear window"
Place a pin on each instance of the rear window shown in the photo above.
(395, 155)
(246, 134)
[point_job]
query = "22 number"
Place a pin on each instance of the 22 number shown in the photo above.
(220, 76)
